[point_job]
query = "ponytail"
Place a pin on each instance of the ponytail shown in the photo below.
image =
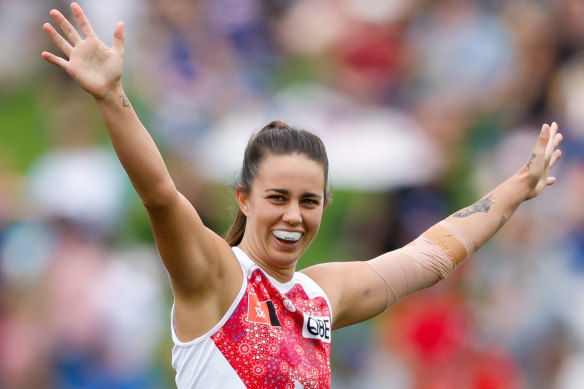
(235, 233)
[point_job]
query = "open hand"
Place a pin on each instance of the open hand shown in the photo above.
(96, 67)
(543, 158)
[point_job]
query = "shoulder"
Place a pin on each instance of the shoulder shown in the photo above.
(355, 291)
(328, 276)
(309, 284)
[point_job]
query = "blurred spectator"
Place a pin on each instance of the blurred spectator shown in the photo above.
(422, 105)
(538, 55)
(19, 23)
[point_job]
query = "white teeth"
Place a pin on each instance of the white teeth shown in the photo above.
(287, 235)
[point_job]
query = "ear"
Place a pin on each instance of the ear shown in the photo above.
(242, 200)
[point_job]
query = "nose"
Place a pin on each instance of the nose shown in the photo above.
(292, 214)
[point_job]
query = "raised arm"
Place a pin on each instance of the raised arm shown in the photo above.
(199, 262)
(484, 218)
(98, 70)
(361, 290)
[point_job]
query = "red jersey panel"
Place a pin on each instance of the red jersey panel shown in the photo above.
(278, 335)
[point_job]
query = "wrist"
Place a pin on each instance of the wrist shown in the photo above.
(114, 96)
(523, 183)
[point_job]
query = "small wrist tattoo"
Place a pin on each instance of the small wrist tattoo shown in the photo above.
(125, 101)
(531, 158)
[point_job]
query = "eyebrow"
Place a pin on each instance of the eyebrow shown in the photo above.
(287, 192)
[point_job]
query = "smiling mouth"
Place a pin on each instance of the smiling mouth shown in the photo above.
(287, 236)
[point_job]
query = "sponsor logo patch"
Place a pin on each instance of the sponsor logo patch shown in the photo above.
(317, 328)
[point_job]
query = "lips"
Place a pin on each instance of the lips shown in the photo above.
(288, 236)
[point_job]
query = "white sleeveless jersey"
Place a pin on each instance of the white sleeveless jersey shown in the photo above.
(274, 335)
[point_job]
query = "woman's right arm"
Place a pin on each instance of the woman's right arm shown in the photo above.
(197, 260)
(191, 253)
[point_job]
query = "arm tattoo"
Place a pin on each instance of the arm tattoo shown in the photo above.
(483, 205)
(501, 222)
(125, 101)
(531, 158)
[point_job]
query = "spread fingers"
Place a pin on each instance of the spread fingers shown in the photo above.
(61, 42)
(82, 20)
(68, 29)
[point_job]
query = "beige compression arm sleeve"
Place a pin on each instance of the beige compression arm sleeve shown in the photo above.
(422, 263)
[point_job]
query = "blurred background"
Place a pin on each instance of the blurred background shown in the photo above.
(423, 105)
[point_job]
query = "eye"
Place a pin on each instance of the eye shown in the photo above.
(277, 198)
(311, 202)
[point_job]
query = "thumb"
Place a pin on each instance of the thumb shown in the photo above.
(119, 38)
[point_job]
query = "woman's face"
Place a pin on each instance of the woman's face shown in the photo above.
(284, 209)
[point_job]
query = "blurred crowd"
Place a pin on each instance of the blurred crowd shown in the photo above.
(423, 105)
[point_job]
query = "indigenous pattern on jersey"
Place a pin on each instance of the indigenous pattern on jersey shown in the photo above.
(274, 336)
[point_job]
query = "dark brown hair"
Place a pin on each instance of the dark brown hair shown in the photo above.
(276, 138)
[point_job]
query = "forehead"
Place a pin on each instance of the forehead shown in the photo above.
(292, 172)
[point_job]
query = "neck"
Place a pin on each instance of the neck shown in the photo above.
(282, 272)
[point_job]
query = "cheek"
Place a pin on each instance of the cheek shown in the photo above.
(267, 215)
(314, 219)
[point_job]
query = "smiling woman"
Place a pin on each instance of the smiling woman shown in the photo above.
(242, 315)
(287, 199)
(277, 139)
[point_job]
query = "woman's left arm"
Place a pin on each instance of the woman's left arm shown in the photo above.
(360, 290)
(484, 218)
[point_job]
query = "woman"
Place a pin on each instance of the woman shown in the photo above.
(242, 315)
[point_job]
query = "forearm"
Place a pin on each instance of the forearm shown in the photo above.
(483, 219)
(136, 149)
